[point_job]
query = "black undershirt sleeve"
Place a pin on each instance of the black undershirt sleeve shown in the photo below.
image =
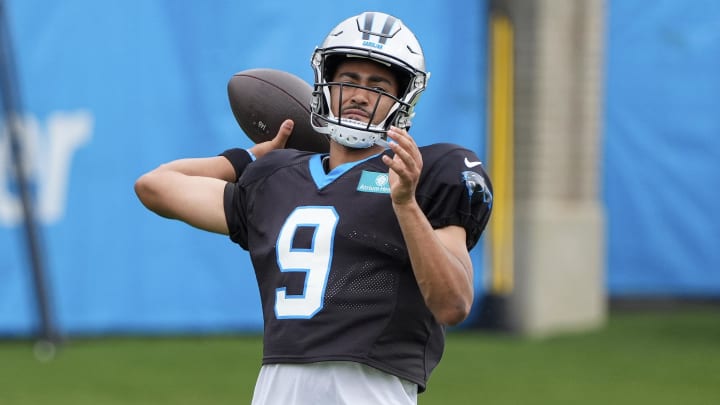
(239, 158)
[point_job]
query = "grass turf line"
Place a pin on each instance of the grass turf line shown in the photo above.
(639, 358)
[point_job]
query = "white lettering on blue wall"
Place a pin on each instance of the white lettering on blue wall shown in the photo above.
(48, 152)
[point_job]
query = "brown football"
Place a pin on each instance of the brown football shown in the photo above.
(261, 99)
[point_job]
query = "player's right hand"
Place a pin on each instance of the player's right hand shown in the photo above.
(278, 142)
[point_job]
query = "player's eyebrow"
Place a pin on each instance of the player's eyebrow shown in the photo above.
(371, 78)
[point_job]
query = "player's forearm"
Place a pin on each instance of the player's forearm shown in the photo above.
(217, 167)
(445, 280)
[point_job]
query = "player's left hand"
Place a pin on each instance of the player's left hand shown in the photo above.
(405, 166)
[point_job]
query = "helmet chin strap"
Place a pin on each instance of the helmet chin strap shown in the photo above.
(381, 142)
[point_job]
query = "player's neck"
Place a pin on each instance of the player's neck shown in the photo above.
(340, 154)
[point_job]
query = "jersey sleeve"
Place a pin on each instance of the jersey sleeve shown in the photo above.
(456, 190)
(240, 196)
(236, 222)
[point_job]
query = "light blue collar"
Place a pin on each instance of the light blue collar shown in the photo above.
(321, 178)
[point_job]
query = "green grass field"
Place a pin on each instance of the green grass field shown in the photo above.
(639, 358)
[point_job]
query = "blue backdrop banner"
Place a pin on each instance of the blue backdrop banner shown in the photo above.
(662, 148)
(112, 89)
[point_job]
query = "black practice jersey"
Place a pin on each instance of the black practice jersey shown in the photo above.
(334, 274)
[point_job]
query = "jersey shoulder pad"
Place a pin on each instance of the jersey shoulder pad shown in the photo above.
(454, 189)
(273, 161)
(449, 158)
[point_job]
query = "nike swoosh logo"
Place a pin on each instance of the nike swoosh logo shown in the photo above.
(470, 164)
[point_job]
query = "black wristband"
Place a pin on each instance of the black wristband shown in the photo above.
(239, 159)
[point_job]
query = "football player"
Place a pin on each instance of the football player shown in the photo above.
(361, 254)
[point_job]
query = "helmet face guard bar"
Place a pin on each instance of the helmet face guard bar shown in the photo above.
(328, 115)
(350, 132)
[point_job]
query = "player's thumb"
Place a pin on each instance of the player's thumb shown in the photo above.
(284, 133)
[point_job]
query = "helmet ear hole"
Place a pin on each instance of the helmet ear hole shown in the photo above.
(403, 80)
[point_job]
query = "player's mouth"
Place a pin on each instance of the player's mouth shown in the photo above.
(356, 114)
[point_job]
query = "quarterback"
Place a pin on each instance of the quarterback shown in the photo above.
(361, 254)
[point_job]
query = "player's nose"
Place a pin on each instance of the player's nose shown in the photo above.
(359, 96)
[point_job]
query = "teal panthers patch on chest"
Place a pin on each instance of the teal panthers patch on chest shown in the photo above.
(374, 182)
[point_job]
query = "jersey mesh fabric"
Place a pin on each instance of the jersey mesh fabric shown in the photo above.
(371, 310)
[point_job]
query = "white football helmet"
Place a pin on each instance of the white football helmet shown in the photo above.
(382, 38)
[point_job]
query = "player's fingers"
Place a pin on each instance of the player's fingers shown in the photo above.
(401, 137)
(406, 175)
(395, 165)
(402, 155)
(402, 182)
(405, 148)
